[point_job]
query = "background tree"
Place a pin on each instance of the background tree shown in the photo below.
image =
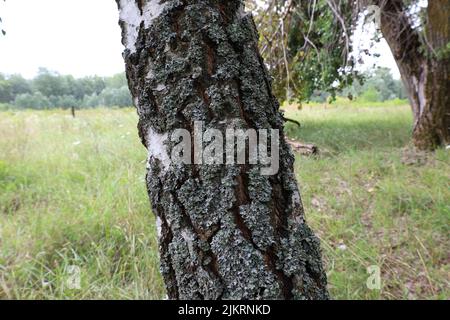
(377, 83)
(316, 41)
(50, 83)
(32, 101)
(225, 231)
(421, 46)
(12, 86)
(307, 46)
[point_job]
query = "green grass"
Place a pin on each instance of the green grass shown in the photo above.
(72, 192)
(373, 202)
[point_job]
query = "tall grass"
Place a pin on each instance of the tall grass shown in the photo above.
(72, 193)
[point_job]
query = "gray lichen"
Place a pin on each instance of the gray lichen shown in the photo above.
(226, 231)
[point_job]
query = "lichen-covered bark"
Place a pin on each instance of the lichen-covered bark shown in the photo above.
(225, 231)
(425, 72)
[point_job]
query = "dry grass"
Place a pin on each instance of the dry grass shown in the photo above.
(72, 193)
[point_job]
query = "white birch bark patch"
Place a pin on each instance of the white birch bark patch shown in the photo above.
(157, 149)
(131, 16)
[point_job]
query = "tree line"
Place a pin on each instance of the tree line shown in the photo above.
(50, 89)
(378, 85)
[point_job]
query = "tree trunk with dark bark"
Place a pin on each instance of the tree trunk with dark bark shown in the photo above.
(425, 67)
(225, 231)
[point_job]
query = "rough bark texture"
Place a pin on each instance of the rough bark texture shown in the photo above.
(425, 72)
(225, 231)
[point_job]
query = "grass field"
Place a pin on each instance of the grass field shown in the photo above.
(72, 193)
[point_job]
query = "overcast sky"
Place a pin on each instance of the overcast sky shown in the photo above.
(78, 37)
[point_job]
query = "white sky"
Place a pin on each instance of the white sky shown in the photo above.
(78, 37)
(361, 40)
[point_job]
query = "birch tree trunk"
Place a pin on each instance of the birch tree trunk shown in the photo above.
(425, 69)
(225, 231)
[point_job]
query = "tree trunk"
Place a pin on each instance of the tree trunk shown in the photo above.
(425, 69)
(225, 231)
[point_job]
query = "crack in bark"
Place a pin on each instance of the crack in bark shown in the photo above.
(269, 255)
(203, 235)
(164, 241)
(140, 4)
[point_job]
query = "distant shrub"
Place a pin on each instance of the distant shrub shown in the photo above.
(5, 106)
(66, 101)
(112, 97)
(32, 101)
(91, 101)
(371, 95)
